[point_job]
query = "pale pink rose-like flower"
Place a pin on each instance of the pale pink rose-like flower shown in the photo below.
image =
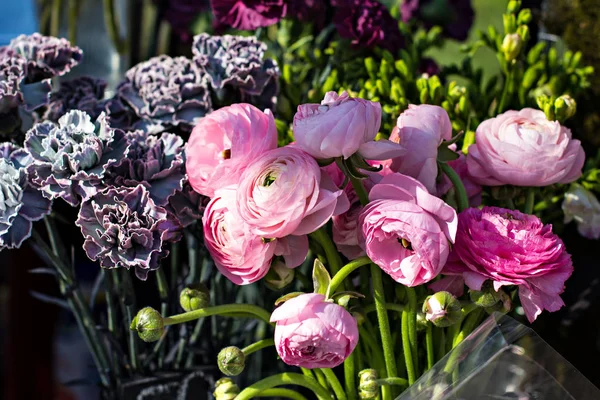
(523, 148)
(580, 205)
(284, 192)
(421, 129)
(341, 126)
(239, 255)
(406, 231)
(511, 248)
(313, 333)
(224, 142)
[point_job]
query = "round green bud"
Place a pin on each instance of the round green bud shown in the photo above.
(231, 361)
(368, 388)
(149, 324)
(442, 309)
(486, 297)
(565, 107)
(279, 276)
(194, 297)
(503, 305)
(225, 389)
(511, 46)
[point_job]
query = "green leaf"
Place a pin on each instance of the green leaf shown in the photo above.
(445, 154)
(287, 297)
(321, 278)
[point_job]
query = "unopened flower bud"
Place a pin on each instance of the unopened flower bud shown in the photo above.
(194, 297)
(565, 107)
(368, 388)
(149, 324)
(442, 309)
(486, 297)
(225, 389)
(279, 276)
(511, 46)
(513, 6)
(504, 304)
(231, 361)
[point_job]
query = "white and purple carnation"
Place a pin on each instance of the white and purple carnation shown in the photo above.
(84, 93)
(187, 205)
(123, 227)
(70, 158)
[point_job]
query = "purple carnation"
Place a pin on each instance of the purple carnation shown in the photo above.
(454, 16)
(70, 158)
(123, 227)
(157, 163)
(84, 93)
(247, 14)
(12, 71)
(368, 23)
(181, 13)
(119, 114)
(187, 205)
(165, 92)
(236, 65)
(20, 203)
(46, 56)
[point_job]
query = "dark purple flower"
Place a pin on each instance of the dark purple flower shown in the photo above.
(20, 203)
(368, 23)
(84, 94)
(70, 158)
(46, 56)
(181, 13)
(313, 11)
(165, 92)
(187, 205)
(123, 227)
(454, 16)
(119, 114)
(157, 163)
(247, 14)
(13, 68)
(235, 65)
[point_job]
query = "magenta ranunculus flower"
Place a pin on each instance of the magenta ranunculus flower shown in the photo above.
(341, 126)
(523, 148)
(406, 231)
(511, 248)
(314, 333)
(284, 192)
(421, 129)
(223, 143)
(247, 14)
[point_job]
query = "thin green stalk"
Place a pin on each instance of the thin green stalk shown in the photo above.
(346, 270)
(286, 378)
(258, 312)
(530, 201)
(281, 392)
(350, 375)
(111, 312)
(335, 383)
(441, 341)
(307, 372)
(505, 92)
(412, 326)
(462, 198)
(174, 256)
(389, 306)
(429, 347)
(129, 314)
(453, 331)
(261, 344)
(112, 25)
(321, 378)
(408, 359)
(393, 381)
(333, 257)
(376, 355)
(360, 190)
(73, 14)
(55, 17)
(192, 341)
(469, 325)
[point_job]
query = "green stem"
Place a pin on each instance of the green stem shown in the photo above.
(192, 341)
(389, 306)
(360, 190)
(375, 355)
(530, 201)
(429, 346)
(335, 383)
(307, 372)
(346, 270)
(111, 312)
(408, 359)
(174, 256)
(384, 324)
(258, 312)
(73, 14)
(392, 381)
(281, 392)
(321, 378)
(350, 375)
(505, 91)
(286, 378)
(468, 327)
(261, 344)
(333, 257)
(112, 25)
(461, 193)
(55, 17)
(412, 326)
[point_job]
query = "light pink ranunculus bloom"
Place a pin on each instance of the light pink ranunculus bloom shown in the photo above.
(582, 206)
(341, 126)
(421, 129)
(460, 167)
(406, 231)
(313, 333)
(223, 144)
(511, 248)
(284, 192)
(523, 148)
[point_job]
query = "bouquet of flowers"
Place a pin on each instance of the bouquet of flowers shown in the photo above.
(387, 208)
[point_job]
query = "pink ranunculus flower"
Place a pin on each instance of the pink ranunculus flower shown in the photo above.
(421, 129)
(314, 333)
(341, 126)
(284, 192)
(406, 231)
(511, 248)
(523, 148)
(473, 189)
(224, 142)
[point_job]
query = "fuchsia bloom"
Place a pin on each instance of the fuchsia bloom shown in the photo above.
(284, 192)
(523, 148)
(247, 14)
(314, 333)
(421, 129)
(341, 126)
(407, 231)
(512, 248)
(223, 143)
